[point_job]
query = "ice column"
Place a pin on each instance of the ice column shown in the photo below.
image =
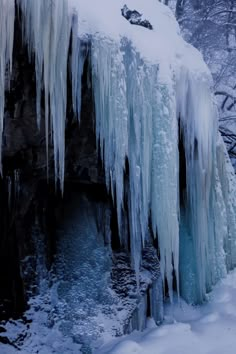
(135, 118)
(207, 233)
(47, 29)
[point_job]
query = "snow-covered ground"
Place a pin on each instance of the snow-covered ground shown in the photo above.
(207, 329)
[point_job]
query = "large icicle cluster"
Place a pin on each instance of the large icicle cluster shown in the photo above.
(47, 29)
(202, 218)
(135, 117)
(142, 97)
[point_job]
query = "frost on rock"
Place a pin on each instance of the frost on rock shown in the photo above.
(143, 129)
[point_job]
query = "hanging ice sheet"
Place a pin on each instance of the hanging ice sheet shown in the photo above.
(207, 244)
(135, 117)
(47, 29)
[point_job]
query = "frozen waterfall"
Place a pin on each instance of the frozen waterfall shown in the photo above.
(143, 97)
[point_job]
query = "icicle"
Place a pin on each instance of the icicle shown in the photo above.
(164, 202)
(7, 18)
(9, 191)
(156, 300)
(196, 112)
(79, 54)
(111, 113)
(208, 217)
(48, 26)
(150, 138)
(135, 117)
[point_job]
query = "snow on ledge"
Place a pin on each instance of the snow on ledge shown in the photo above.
(163, 45)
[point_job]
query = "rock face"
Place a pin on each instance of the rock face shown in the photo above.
(31, 205)
(135, 18)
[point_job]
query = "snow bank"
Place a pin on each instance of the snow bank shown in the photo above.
(209, 329)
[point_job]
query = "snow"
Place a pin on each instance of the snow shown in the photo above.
(206, 329)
